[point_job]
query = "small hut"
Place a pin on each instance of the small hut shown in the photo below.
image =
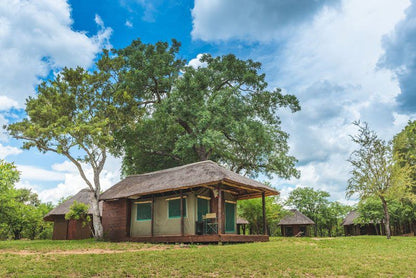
(355, 229)
(70, 229)
(241, 224)
(296, 224)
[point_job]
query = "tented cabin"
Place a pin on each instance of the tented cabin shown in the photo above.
(354, 229)
(191, 203)
(70, 229)
(296, 224)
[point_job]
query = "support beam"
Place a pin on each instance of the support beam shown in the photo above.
(182, 224)
(263, 202)
(128, 215)
(153, 216)
(219, 217)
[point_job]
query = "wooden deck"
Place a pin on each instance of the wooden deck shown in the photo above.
(201, 238)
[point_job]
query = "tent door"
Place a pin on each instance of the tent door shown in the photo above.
(229, 218)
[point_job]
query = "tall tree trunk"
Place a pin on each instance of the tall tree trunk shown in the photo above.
(96, 218)
(386, 217)
(375, 228)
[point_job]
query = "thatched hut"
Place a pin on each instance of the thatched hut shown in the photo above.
(241, 225)
(296, 224)
(190, 203)
(70, 229)
(351, 228)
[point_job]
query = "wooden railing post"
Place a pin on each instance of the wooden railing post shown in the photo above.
(153, 216)
(182, 224)
(219, 218)
(263, 202)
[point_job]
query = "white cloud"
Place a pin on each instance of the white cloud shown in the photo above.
(68, 179)
(329, 61)
(33, 173)
(196, 62)
(332, 67)
(7, 103)
(129, 24)
(36, 37)
(8, 150)
(252, 20)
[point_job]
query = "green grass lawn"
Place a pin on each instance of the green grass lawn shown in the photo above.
(281, 257)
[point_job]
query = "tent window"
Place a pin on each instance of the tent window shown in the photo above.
(175, 208)
(144, 211)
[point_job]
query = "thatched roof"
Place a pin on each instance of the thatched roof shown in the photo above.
(241, 220)
(349, 219)
(296, 218)
(82, 196)
(192, 175)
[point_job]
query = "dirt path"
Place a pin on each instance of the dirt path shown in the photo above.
(90, 251)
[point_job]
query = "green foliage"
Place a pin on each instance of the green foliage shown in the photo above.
(79, 211)
(374, 169)
(370, 211)
(402, 214)
(252, 211)
(21, 212)
(314, 204)
(404, 149)
(376, 172)
(221, 112)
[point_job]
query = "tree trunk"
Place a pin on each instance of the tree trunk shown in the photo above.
(96, 219)
(387, 217)
(375, 228)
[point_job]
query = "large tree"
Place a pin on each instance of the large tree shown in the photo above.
(222, 111)
(78, 113)
(375, 171)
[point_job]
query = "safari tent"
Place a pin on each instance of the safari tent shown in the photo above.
(70, 229)
(296, 223)
(190, 203)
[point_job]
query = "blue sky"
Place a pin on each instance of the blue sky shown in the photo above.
(344, 60)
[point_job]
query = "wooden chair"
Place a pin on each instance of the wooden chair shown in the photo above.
(211, 224)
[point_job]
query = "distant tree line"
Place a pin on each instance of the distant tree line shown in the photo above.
(315, 204)
(384, 178)
(21, 211)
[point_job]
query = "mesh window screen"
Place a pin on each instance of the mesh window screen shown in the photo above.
(144, 211)
(175, 208)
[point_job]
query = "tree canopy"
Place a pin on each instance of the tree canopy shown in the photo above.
(223, 112)
(21, 212)
(375, 171)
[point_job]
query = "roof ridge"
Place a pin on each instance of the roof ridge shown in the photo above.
(175, 168)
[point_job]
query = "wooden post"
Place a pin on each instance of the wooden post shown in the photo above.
(219, 209)
(263, 202)
(128, 215)
(182, 224)
(153, 216)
